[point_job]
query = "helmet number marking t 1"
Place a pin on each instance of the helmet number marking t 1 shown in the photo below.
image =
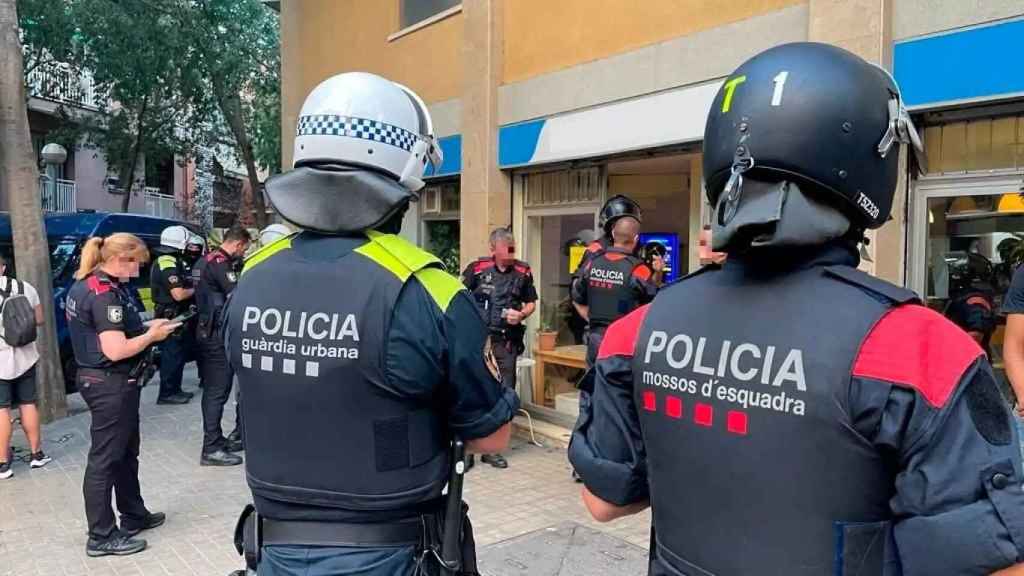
(780, 86)
(730, 87)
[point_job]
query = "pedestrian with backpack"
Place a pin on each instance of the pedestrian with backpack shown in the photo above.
(20, 315)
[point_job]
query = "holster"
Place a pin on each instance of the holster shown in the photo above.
(205, 327)
(248, 540)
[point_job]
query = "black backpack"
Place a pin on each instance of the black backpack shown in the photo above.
(17, 316)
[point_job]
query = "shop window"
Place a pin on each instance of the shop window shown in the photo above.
(977, 145)
(564, 187)
(442, 240)
(416, 11)
(974, 245)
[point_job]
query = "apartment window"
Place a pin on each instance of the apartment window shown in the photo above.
(414, 11)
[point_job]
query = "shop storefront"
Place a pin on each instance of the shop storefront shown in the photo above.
(562, 170)
(965, 218)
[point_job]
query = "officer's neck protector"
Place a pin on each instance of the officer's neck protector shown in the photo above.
(766, 214)
(337, 199)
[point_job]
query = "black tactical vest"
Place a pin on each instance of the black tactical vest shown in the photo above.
(322, 427)
(496, 290)
(609, 294)
(754, 466)
(165, 306)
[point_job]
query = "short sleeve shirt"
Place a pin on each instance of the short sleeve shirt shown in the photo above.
(1013, 302)
(16, 361)
(95, 305)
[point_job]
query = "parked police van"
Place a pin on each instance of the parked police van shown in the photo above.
(66, 234)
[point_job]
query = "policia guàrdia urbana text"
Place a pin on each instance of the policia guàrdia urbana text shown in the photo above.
(335, 335)
(739, 373)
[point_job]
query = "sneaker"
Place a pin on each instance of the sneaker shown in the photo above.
(117, 545)
(152, 520)
(5, 470)
(220, 458)
(496, 460)
(39, 460)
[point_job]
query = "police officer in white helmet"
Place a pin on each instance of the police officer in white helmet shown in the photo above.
(368, 357)
(273, 233)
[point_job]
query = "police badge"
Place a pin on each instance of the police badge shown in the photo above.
(490, 361)
(172, 279)
(115, 314)
(232, 277)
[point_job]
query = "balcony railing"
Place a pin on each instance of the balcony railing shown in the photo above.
(160, 204)
(61, 83)
(60, 198)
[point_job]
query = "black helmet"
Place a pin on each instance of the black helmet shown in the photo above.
(814, 114)
(968, 271)
(652, 250)
(616, 207)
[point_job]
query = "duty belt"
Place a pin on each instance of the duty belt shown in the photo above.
(302, 533)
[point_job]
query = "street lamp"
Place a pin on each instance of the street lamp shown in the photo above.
(53, 155)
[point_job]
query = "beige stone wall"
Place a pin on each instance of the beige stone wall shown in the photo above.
(486, 191)
(920, 17)
(543, 36)
(864, 27)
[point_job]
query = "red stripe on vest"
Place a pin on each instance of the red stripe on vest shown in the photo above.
(95, 286)
(482, 265)
(642, 272)
(594, 247)
(916, 347)
(620, 339)
(979, 301)
(522, 269)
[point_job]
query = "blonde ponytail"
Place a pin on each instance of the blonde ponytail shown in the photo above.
(99, 250)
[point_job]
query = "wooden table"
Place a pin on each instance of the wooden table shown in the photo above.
(571, 356)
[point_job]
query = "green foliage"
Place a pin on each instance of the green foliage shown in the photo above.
(444, 242)
(179, 74)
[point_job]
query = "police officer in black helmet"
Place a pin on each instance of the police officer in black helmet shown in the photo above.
(786, 413)
(971, 297)
(355, 378)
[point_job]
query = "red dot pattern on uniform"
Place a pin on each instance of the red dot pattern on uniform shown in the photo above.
(704, 414)
(674, 407)
(650, 401)
(736, 422)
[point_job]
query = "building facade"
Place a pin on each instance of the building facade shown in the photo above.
(547, 108)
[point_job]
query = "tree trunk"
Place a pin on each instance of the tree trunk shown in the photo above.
(231, 107)
(20, 178)
(134, 162)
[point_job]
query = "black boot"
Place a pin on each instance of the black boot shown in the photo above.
(220, 458)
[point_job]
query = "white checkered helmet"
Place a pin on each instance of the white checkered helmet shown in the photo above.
(176, 237)
(364, 120)
(273, 232)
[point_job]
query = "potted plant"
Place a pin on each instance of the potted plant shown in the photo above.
(547, 336)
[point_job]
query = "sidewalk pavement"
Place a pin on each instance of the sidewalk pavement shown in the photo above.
(42, 518)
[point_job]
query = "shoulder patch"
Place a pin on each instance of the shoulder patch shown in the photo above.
(522, 267)
(165, 262)
(595, 246)
(97, 286)
(915, 347)
(482, 264)
(441, 285)
(869, 283)
(266, 252)
(642, 271)
(397, 255)
(620, 339)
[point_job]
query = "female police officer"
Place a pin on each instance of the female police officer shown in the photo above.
(109, 341)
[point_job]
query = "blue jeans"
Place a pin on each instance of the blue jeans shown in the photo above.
(324, 561)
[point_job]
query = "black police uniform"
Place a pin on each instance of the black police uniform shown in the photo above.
(215, 277)
(824, 448)
(97, 304)
(494, 290)
(356, 376)
(612, 284)
(171, 271)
